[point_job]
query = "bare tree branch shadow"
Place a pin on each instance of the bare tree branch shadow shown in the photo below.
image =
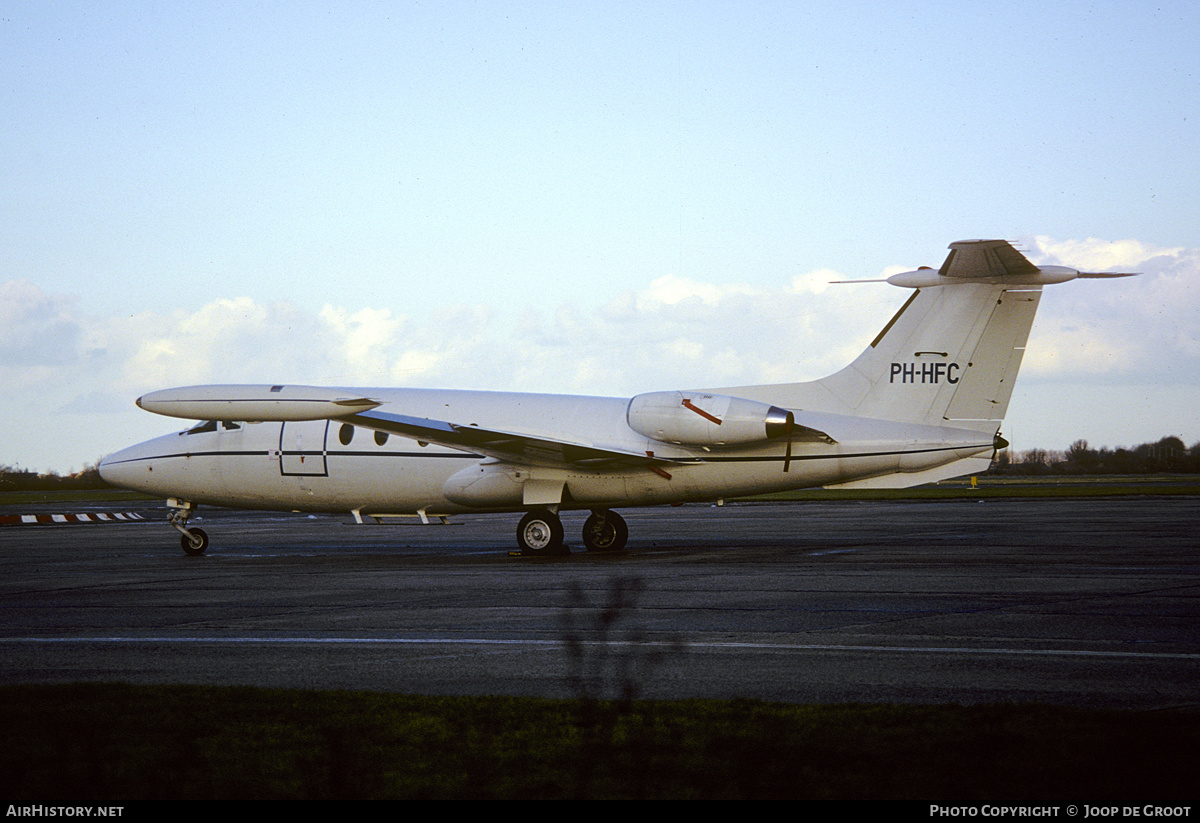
(610, 659)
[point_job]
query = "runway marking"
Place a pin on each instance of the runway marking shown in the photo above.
(86, 517)
(681, 646)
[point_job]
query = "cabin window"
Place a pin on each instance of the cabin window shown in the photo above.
(380, 438)
(346, 434)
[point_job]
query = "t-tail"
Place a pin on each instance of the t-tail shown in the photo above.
(950, 355)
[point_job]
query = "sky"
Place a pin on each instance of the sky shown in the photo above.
(597, 198)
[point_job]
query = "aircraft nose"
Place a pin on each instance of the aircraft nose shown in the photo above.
(111, 469)
(120, 468)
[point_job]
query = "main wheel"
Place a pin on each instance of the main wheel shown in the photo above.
(540, 532)
(194, 542)
(605, 532)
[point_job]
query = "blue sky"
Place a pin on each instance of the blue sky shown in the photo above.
(595, 197)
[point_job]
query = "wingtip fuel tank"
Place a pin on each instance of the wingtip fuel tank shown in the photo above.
(255, 402)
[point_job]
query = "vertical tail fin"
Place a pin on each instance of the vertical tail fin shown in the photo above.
(950, 355)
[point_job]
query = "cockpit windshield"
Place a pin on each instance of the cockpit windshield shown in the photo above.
(211, 426)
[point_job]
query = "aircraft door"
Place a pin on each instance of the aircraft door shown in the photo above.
(302, 448)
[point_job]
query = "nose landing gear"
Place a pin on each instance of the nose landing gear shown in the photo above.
(194, 541)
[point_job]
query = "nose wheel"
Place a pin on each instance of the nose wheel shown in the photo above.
(194, 542)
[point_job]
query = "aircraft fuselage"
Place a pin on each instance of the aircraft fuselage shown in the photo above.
(334, 465)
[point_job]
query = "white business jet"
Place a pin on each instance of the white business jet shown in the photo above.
(923, 403)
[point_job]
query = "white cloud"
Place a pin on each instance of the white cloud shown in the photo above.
(1097, 255)
(36, 330)
(361, 334)
(1136, 329)
(672, 290)
(817, 281)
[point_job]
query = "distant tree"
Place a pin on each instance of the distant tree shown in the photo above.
(1035, 461)
(1168, 454)
(1080, 459)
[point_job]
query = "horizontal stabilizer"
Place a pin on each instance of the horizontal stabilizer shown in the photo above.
(994, 262)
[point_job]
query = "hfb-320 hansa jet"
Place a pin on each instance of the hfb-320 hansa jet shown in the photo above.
(922, 403)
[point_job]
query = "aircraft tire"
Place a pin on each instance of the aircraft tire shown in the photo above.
(194, 545)
(605, 532)
(540, 533)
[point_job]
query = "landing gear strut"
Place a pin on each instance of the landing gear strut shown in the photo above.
(193, 541)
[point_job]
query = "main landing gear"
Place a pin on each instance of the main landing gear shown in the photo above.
(541, 533)
(194, 541)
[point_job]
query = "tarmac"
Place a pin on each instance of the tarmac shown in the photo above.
(1091, 602)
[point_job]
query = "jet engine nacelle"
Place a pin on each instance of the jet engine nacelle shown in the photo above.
(703, 419)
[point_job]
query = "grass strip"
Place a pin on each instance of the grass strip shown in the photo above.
(114, 742)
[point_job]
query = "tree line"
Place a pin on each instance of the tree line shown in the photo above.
(1166, 456)
(14, 479)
